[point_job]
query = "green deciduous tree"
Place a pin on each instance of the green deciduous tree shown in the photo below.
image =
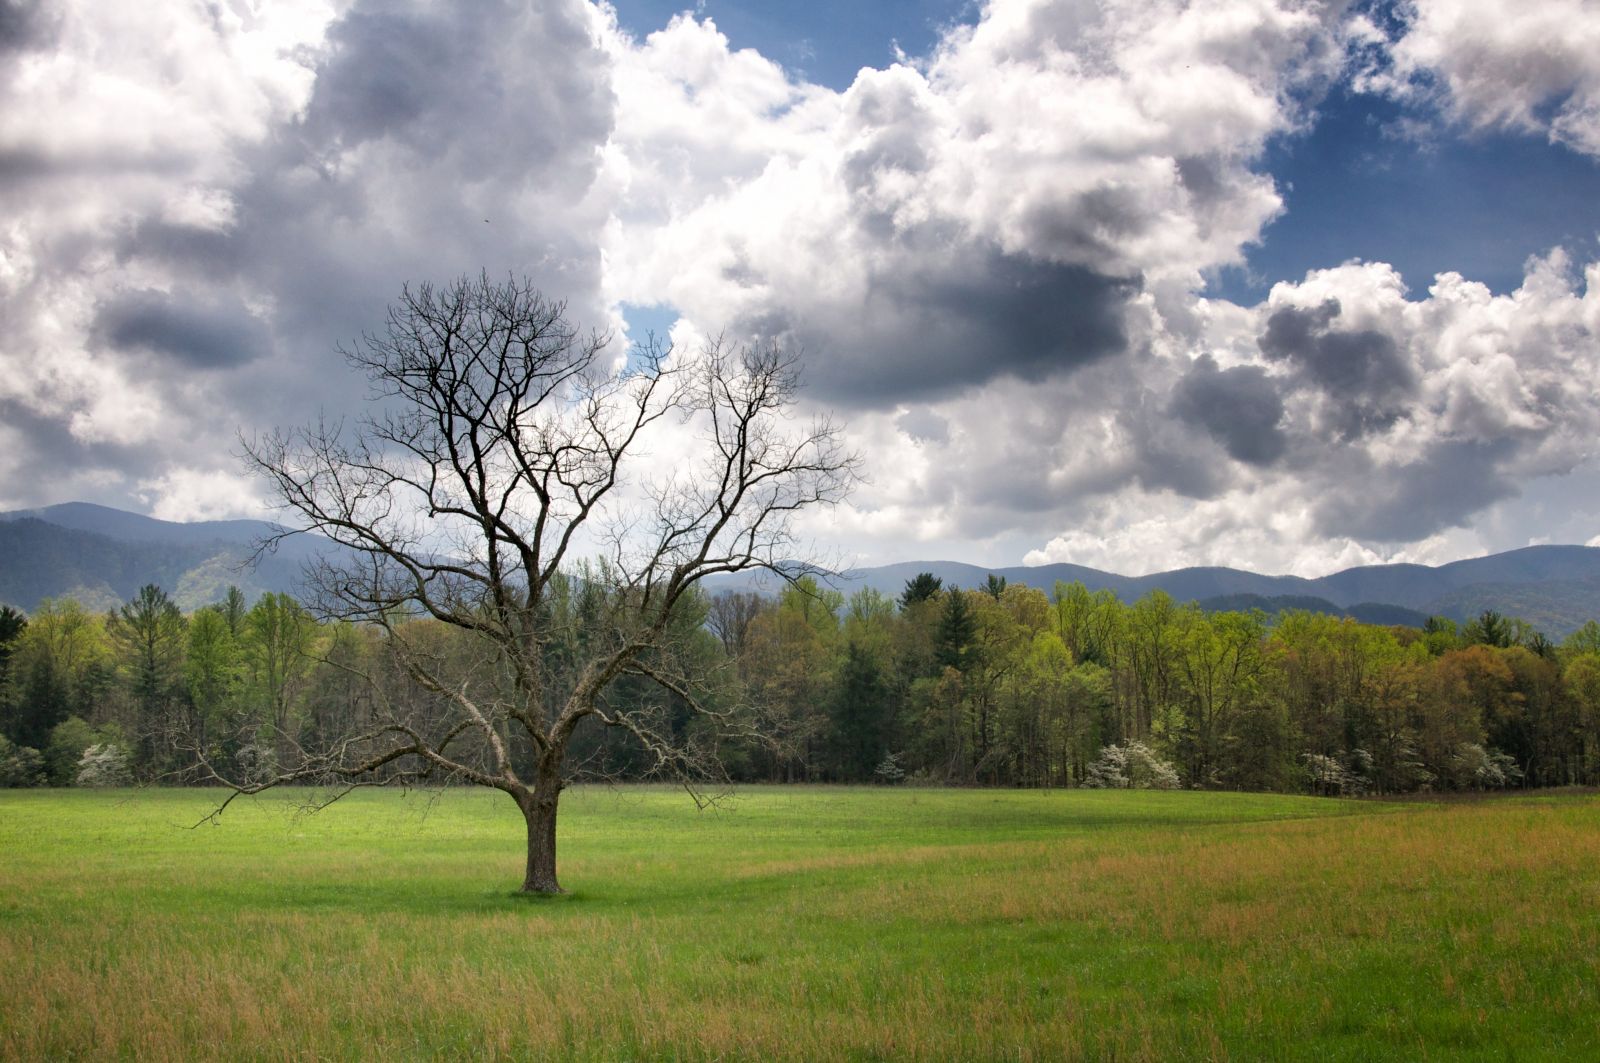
(792, 663)
(12, 624)
(1220, 666)
(275, 648)
(55, 662)
(212, 673)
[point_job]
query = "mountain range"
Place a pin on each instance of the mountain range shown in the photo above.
(1555, 588)
(101, 557)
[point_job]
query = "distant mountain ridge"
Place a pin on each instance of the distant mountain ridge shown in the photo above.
(1557, 588)
(1366, 612)
(134, 527)
(1412, 586)
(102, 556)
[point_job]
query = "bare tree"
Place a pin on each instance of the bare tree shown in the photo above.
(730, 617)
(495, 459)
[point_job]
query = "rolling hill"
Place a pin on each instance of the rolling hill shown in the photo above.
(101, 556)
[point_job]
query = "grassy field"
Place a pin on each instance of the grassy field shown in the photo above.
(804, 923)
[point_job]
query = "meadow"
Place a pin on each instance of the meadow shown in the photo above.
(801, 923)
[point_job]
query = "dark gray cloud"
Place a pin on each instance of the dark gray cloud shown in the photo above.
(1239, 407)
(1362, 372)
(497, 89)
(25, 25)
(199, 253)
(196, 330)
(1094, 225)
(1445, 486)
(948, 319)
(1166, 458)
(381, 76)
(21, 165)
(27, 167)
(1205, 178)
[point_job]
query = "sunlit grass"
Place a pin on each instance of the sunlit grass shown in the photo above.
(801, 923)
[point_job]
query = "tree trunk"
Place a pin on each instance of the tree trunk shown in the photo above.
(539, 809)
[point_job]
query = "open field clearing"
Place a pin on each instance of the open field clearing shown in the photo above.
(796, 923)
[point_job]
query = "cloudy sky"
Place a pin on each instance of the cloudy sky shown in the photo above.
(1136, 284)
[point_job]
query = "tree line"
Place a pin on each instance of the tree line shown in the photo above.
(997, 686)
(128, 695)
(1007, 686)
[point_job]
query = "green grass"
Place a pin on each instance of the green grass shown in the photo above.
(802, 923)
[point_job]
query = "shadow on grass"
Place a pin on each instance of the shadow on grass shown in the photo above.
(539, 900)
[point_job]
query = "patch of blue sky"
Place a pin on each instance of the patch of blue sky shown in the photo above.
(1360, 184)
(825, 42)
(647, 321)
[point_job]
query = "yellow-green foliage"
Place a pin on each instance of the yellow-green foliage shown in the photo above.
(802, 924)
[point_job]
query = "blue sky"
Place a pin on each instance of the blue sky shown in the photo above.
(1356, 187)
(1129, 283)
(826, 42)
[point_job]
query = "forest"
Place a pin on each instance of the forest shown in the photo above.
(993, 686)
